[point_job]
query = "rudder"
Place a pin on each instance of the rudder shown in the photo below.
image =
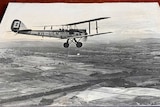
(17, 25)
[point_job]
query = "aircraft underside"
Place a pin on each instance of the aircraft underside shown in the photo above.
(50, 34)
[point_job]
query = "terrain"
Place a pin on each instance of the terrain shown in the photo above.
(44, 73)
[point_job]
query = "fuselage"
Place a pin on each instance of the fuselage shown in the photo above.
(61, 33)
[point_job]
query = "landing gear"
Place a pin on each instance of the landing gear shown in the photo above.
(78, 44)
(66, 45)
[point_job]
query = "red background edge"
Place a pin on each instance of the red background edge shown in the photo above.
(4, 3)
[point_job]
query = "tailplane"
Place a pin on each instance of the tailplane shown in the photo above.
(17, 25)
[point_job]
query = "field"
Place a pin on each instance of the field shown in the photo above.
(44, 73)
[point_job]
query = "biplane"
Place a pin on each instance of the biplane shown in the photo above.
(69, 33)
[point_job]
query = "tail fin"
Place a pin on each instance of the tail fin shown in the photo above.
(17, 25)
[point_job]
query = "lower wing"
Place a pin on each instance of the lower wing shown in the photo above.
(81, 36)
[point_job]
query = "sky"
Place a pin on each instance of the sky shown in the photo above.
(128, 20)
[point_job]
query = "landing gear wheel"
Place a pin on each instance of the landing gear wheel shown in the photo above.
(79, 44)
(66, 45)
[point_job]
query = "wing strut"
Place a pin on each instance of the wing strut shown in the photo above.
(96, 27)
(89, 28)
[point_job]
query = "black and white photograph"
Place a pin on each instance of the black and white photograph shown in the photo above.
(80, 54)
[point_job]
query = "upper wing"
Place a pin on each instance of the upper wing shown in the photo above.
(81, 36)
(76, 23)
